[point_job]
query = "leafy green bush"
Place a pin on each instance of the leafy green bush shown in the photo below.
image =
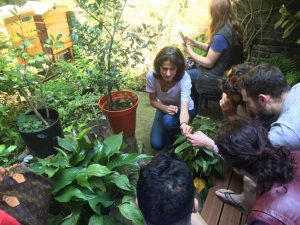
(109, 43)
(93, 182)
(288, 67)
(201, 162)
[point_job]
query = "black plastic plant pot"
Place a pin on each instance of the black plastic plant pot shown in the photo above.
(42, 143)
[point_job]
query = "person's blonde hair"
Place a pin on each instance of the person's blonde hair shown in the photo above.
(222, 13)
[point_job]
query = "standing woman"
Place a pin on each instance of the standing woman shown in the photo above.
(224, 49)
(169, 88)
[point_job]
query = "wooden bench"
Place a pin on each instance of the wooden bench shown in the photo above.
(214, 211)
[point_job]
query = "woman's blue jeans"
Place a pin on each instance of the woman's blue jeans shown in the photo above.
(165, 127)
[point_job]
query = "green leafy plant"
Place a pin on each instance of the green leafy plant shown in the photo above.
(288, 22)
(288, 67)
(110, 43)
(23, 74)
(93, 182)
(201, 162)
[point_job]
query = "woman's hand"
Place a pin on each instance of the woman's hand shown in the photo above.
(172, 109)
(190, 41)
(199, 139)
(185, 129)
(187, 48)
(228, 107)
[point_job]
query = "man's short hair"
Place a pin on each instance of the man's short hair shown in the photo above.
(165, 191)
(264, 79)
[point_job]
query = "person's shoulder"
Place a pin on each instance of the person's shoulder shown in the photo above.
(185, 78)
(150, 75)
(219, 38)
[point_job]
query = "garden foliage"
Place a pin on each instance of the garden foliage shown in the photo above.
(93, 182)
(201, 162)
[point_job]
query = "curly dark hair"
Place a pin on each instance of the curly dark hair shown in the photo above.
(165, 191)
(229, 83)
(245, 145)
(175, 56)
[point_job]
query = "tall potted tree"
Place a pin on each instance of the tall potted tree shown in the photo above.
(114, 46)
(23, 75)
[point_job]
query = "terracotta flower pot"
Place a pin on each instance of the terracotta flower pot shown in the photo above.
(123, 120)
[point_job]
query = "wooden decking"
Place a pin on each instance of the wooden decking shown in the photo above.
(214, 211)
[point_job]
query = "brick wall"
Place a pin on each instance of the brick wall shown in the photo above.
(189, 16)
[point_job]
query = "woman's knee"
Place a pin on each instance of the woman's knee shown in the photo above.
(170, 121)
(157, 144)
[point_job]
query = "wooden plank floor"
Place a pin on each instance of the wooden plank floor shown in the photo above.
(214, 211)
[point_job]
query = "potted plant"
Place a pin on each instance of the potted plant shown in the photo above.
(23, 75)
(114, 47)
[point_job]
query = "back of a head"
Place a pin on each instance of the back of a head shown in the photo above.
(165, 191)
(229, 83)
(221, 13)
(245, 145)
(264, 79)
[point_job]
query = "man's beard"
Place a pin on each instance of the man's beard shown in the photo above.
(264, 114)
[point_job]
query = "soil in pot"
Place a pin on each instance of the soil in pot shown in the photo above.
(41, 141)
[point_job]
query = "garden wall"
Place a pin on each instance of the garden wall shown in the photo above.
(258, 18)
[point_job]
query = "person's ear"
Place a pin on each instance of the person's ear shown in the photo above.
(196, 205)
(263, 99)
(137, 202)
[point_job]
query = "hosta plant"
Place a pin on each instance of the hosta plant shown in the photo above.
(93, 181)
(201, 162)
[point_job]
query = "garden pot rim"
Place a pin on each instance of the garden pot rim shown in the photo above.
(37, 132)
(105, 97)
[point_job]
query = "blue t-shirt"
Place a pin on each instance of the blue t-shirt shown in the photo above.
(219, 43)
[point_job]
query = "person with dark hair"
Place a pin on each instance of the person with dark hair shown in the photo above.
(165, 192)
(266, 93)
(225, 48)
(245, 146)
(232, 104)
(169, 88)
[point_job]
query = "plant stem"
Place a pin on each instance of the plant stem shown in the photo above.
(33, 108)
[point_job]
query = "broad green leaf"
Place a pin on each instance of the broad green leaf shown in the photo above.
(209, 152)
(96, 220)
(219, 167)
(64, 178)
(72, 218)
(205, 166)
(98, 170)
(125, 160)
(102, 198)
(180, 139)
(120, 181)
(68, 143)
(98, 183)
(130, 211)
(183, 146)
(69, 193)
(113, 144)
(59, 45)
(82, 179)
(59, 36)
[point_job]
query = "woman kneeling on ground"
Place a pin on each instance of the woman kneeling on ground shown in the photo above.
(169, 88)
(245, 146)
